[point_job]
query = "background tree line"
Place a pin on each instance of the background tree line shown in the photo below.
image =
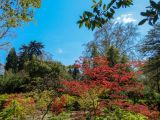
(28, 70)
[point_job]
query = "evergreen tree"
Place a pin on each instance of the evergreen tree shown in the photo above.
(94, 50)
(1, 69)
(113, 56)
(35, 49)
(124, 59)
(76, 73)
(151, 48)
(11, 61)
(151, 43)
(28, 52)
(152, 72)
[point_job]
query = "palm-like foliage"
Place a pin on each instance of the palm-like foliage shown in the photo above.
(34, 49)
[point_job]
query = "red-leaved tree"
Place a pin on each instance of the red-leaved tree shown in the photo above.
(119, 81)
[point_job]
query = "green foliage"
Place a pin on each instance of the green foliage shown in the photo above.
(15, 13)
(12, 61)
(119, 114)
(34, 49)
(103, 11)
(124, 59)
(104, 95)
(150, 44)
(73, 72)
(12, 113)
(44, 74)
(30, 72)
(152, 73)
(3, 98)
(113, 56)
(71, 103)
(90, 100)
(11, 82)
(29, 52)
(151, 49)
(151, 97)
(17, 107)
(76, 73)
(37, 68)
(152, 13)
(62, 116)
(94, 50)
(43, 99)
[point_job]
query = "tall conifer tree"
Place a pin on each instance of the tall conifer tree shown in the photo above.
(12, 61)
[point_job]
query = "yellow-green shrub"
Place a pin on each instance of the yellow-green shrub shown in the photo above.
(117, 113)
(71, 102)
(2, 100)
(18, 107)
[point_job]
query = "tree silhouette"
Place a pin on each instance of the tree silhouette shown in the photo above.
(28, 52)
(12, 61)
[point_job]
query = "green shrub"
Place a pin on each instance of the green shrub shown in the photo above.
(3, 98)
(17, 107)
(152, 97)
(45, 75)
(43, 99)
(117, 113)
(62, 116)
(72, 103)
(104, 95)
(11, 83)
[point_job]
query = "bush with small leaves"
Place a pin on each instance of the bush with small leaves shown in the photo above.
(17, 107)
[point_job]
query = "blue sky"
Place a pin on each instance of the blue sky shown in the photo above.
(55, 26)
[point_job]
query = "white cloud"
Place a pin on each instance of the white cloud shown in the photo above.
(125, 18)
(59, 51)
